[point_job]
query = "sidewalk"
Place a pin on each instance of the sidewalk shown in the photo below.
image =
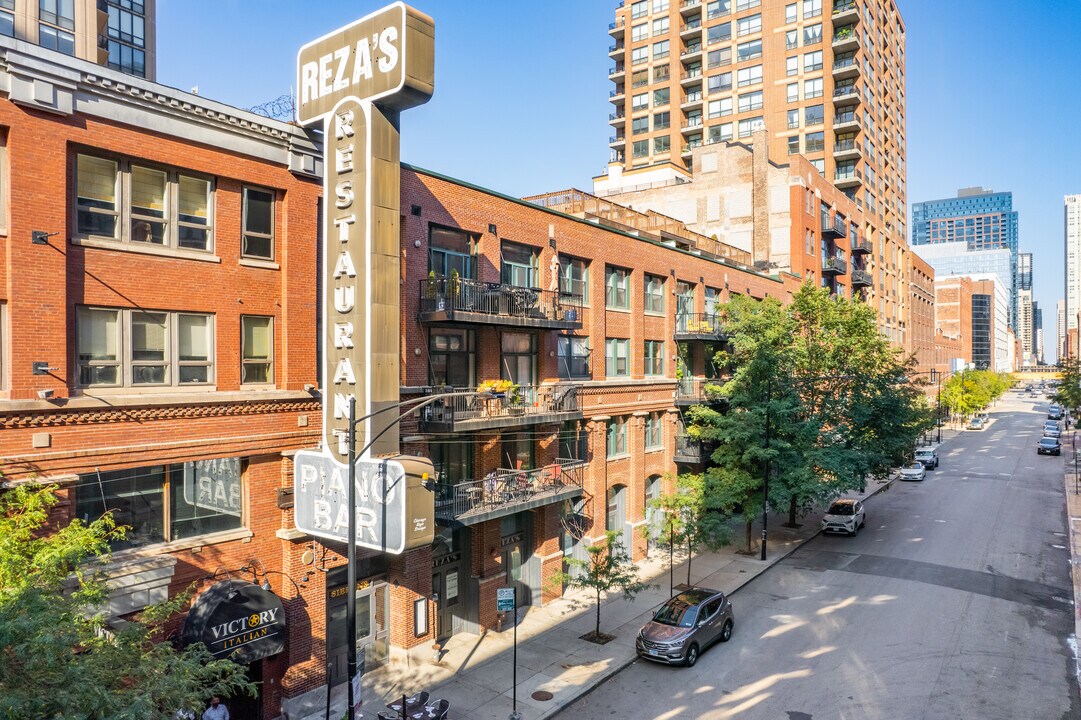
(1073, 525)
(475, 671)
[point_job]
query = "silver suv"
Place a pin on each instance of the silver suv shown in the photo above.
(685, 626)
(846, 516)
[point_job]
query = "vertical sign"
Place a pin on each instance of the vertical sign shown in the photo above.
(355, 81)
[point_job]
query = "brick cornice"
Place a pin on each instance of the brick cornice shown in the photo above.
(62, 417)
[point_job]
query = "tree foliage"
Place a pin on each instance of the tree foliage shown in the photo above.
(59, 657)
(839, 402)
(969, 391)
(689, 520)
(1068, 393)
(608, 568)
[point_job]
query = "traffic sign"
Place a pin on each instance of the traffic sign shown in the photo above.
(504, 599)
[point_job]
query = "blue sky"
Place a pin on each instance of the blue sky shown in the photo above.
(994, 94)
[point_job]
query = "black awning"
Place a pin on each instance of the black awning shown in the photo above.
(238, 620)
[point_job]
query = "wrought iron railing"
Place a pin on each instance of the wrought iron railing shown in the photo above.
(688, 447)
(836, 264)
(521, 401)
(699, 324)
(861, 277)
(694, 389)
(505, 488)
(459, 294)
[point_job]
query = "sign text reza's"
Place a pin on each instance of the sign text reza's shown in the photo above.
(346, 67)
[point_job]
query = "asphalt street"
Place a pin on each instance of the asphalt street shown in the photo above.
(955, 601)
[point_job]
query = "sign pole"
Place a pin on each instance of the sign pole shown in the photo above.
(514, 660)
(351, 557)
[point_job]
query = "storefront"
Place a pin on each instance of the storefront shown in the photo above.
(450, 584)
(372, 618)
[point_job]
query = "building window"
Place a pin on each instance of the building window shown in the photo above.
(792, 92)
(660, 6)
(790, 13)
(57, 20)
(717, 8)
(742, 5)
(812, 88)
(574, 278)
(660, 26)
(791, 66)
(793, 119)
(719, 133)
(749, 24)
(812, 34)
(451, 251)
(164, 208)
(750, 101)
(258, 238)
(749, 51)
(519, 265)
(518, 358)
(719, 108)
(640, 125)
(749, 76)
(661, 97)
(256, 350)
(573, 441)
(654, 431)
(662, 145)
(791, 39)
(133, 348)
(662, 121)
(164, 503)
(719, 58)
(617, 283)
(719, 83)
(660, 49)
(617, 437)
(639, 55)
(654, 295)
(126, 37)
(7, 18)
(640, 102)
(813, 115)
(639, 32)
(654, 357)
(573, 357)
(452, 358)
(719, 33)
(639, 78)
(812, 8)
(639, 9)
(748, 126)
(662, 72)
(616, 358)
(812, 61)
(640, 148)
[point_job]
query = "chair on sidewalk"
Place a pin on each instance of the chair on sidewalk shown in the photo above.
(436, 711)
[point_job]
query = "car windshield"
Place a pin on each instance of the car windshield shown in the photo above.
(677, 613)
(914, 466)
(923, 453)
(842, 509)
(1050, 442)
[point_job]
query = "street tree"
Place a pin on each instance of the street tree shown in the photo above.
(608, 568)
(690, 521)
(59, 656)
(1068, 393)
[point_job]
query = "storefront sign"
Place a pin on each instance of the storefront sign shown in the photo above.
(394, 511)
(504, 599)
(448, 559)
(511, 539)
(238, 620)
(213, 485)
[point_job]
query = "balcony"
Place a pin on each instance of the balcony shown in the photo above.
(861, 278)
(848, 178)
(505, 492)
(690, 451)
(834, 266)
(692, 391)
(616, 49)
(693, 123)
(846, 39)
(844, 121)
(617, 118)
(617, 140)
(862, 246)
(691, 52)
(688, 6)
(846, 95)
(692, 75)
(616, 96)
(847, 149)
(615, 29)
(699, 326)
(845, 13)
(845, 68)
(617, 72)
(836, 227)
(694, 27)
(528, 405)
(460, 300)
(691, 99)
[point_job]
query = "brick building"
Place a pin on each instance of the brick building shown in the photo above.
(953, 315)
(921, 306)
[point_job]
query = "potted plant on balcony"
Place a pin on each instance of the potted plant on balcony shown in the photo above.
(507, 390)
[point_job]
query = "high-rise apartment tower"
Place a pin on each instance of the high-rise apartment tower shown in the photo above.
(115, 33)
(1072, 222)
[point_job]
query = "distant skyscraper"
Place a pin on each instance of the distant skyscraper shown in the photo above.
(981, 218)
(1037, 334)
(1026, 308)
(1073, 258)
(1060, 341)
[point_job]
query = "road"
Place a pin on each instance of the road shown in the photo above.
(953, 602)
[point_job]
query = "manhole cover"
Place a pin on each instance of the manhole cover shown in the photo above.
(541, 695)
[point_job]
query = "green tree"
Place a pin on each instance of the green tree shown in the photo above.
(608, 568)
(59, 657)
(689, 522)
(1068, 393)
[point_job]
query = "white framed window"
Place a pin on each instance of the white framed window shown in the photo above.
(792, 66)
(748, 25)
(640, 55)
(140, 204)
(660, 6)
(812, 34)
(639, 9)
(791, 13)
(617, 357)
(742, 5)
(124, 347)
(812, 61)
(720, 133)
(720, 108)
(791, 39)
(792, 92)
(812, 8)
(639, 32)
(256, 350)
(812, 88)
(749, 76)
(748, 126)
(660, 26)
(640, 101)
(750, 101)
(660, 49)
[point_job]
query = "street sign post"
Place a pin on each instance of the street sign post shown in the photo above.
(506, 601)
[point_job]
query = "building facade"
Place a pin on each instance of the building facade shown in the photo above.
(824, 80)
(953, 317)
(921, 304)
(1072, 260)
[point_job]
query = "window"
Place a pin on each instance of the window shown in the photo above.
(812, 34)
(718, 133)
(812, 88)
(749, 51)
(719, 33)
(616, 358)
(639, 9)
(640, 55)
(793, 143)
(654, 295)
(660, 26)
(258, 239)
(518, 358)
(720, 108)
(57, 19)
(792, 92)
(749, 76)
(791, 39)
(660, 49)
(451, 251)
(164, 503)
(617, 282)
(662, 121)
(717, 8)
(815, 142)
(451, 358)
(812, 61)
(719, 83)
(573, 357)
(7, 18)
(748, 126)
(573, 441)
(749, 24)
(661, 97)
(792, 66)
(574, 278)
(790, 13)
(639, 78)
(256, 350)
(640, 125)
(654, 436)
(617, 438)
(662, 145)
(812, 8)
(640, 101)
(719, 58)
(660, 6)
(518, 265)
(747, 4)
(750, 101)
(654, 357)
(662, 72)
(639, 32)
(640, 148)
(126, 37)
(164, 208)
(126, 348)
(814, 115)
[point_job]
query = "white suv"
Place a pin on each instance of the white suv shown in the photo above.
(846, 516)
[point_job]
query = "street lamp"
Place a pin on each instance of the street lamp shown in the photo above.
(351, 548)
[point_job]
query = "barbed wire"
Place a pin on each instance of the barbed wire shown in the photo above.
(280, 108)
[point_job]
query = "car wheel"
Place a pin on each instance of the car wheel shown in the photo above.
(854, 530)
(726, 631)
(863, 521)
(692, 656)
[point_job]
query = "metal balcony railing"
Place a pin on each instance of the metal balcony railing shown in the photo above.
(699, 324)
(692, 390)
(835, 265)
(689, 449)
(505, 489)
(861, 278)
(522, 403)
(861, 245)
(442, 294)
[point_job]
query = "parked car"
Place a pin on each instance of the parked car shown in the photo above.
(1054, 413)
(1048, 446)
(975, 424)
(913, 471)
(928, 457)
(1052, 430)
(844, 515)
(686, 625)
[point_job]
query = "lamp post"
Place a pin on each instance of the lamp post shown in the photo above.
(351, 548)
(765, 480)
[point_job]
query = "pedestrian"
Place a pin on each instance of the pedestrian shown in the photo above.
(217, 710)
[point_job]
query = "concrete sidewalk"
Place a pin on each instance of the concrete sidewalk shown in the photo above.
(475, 671)
(1071, 442)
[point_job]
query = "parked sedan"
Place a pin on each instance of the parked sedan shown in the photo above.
(1048, 446)
(846, 516)
(913, 471)
(1052, 430)
(685, 626)
(976, 423)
